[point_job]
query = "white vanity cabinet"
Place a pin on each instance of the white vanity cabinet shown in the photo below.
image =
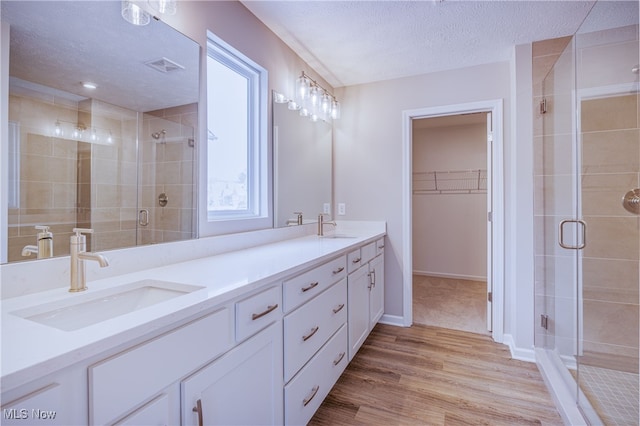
(365, 292)
(45, 405)
(120, 385)
(315, 338)
(243, 387)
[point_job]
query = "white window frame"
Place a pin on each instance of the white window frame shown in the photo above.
(259, 152)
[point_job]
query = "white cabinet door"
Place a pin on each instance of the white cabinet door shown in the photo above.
(376, 296)
(243, 387)
(358, 296)
(44, 406)
(155, 413)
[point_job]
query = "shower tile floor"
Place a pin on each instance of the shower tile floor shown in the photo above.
(613, 394)
(450, 303)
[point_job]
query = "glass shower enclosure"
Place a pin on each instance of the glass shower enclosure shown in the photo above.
(586, 207)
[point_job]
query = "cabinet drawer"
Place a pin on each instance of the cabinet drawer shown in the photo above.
(119, 384)
(258, 311)
(380, 246)
(368, 252)
(308, 328)
(354, 260)
(304, 394)
(303, 287)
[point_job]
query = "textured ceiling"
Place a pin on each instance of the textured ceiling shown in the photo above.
(354, 42)
(59, 44)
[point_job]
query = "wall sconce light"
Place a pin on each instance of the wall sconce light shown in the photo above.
(133, 12)
(166, 7)
(311, 100)
(78, 131)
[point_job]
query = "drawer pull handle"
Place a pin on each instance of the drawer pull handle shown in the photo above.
(356, 260)
(314, 391)
(270, 308)
(337, 360)
(308, 336)
(337, 271)
(381, 246)
(310, 286)
(198, 409)
(338, 309)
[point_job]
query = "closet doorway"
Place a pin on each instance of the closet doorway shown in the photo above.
(493, 216)
(449, 230)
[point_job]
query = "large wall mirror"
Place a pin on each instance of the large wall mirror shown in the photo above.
(302, 166)
(118, 158)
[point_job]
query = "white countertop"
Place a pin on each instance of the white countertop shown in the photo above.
(31, 350)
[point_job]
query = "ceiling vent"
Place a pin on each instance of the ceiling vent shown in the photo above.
(164, 65)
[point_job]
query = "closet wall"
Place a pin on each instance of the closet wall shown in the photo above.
(449, 209)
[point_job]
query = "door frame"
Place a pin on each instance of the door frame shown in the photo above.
(496, 253)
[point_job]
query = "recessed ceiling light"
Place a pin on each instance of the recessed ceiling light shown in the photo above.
(89, 85)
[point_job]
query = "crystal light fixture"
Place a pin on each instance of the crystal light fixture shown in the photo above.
(133, 13)
(314, 101)
(166, 7)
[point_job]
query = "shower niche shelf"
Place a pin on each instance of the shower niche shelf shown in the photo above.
(450, 182)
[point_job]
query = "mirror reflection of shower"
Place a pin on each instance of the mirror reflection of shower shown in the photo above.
(161, 134)
(161, 137)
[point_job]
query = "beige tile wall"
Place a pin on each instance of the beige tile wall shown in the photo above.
(610, 167)
(168, 168)
(48, 174)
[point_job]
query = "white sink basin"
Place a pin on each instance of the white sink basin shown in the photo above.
(82, 310)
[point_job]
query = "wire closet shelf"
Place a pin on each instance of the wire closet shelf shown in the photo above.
(450, 182)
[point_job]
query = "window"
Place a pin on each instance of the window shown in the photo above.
(237, 166)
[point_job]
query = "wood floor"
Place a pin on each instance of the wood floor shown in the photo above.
(425, 375)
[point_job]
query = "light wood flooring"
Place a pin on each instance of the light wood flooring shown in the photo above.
(424, 375)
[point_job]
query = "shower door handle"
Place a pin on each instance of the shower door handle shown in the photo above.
(582, 243)
(143, 217)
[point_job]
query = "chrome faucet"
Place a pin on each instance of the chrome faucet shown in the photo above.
(297, 221)
(321, 223)
(79, 254)
(44, 249)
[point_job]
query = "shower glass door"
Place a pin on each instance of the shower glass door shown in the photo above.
(588, 249)
(609, 165)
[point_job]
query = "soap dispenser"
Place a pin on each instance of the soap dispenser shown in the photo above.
(45, 242)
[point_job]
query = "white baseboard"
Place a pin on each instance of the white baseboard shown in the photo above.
(521, 354)
(452, 276)
(392, 320)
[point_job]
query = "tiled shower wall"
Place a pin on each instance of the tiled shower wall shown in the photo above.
(168, 167)
(610, 167)
(47, 172)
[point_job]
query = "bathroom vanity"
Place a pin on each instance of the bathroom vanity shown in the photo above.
(254, 336)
